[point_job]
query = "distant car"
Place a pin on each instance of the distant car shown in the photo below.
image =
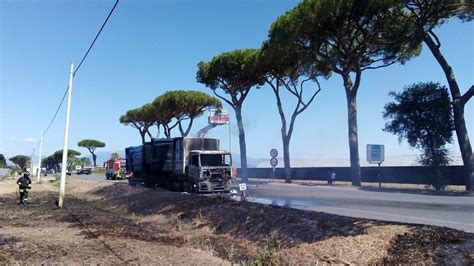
(68, 172)
(85, 172)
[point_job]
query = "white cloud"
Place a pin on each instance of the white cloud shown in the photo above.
(12, 138)
(30, 140)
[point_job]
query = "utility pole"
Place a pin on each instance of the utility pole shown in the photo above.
(62, 187)
(39, 160)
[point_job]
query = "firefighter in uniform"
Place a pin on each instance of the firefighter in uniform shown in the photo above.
(24, 185)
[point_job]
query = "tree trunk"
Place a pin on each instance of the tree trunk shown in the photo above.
(142, 134)
(286, 157)
(94, 158)
(166, 131)
(185, 133)
(243, 148)
(351, 94)
(458, 111)
(149, 134)
(181, 130)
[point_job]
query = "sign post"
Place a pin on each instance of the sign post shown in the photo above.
(242, 188)
(376, 155)
(273, 162)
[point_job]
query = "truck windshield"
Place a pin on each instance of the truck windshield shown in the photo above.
(215, 159)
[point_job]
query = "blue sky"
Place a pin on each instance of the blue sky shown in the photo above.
(149, 47)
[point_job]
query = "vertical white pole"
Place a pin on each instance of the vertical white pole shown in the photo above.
(39, 156)
(62, 187)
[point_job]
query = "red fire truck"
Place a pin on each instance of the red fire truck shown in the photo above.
(115, 169)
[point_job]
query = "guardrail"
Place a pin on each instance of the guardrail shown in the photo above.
(390, 174)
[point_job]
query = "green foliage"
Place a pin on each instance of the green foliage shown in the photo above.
(91, 144)
(54, 160)
(422, 115)
(428, 14)
(85, 161)
(51, 162)
(350, 35)
(3, 161)
(140, 118)
(187, 104)
(21, 160)
(182, 105)
(235, 72)
(70, 154)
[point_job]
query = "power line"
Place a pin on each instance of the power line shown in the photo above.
(57, 110)
(80, 64)
(98, 33)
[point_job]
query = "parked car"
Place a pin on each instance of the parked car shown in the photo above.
(85, 172)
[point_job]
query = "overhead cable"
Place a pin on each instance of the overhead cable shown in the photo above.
(80, 64)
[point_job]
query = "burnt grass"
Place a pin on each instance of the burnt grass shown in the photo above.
(255, 222)
(256, 232)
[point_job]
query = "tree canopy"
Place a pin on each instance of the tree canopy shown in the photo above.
(51, 162)
(21, 160)
(140, 118)
(3, 161)
(422, 115)
(183, 105)
(235, 72)
(58, 155)
(91, 145)
(85, 161)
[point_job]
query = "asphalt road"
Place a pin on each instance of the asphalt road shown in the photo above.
(96, 177)
(450, 211)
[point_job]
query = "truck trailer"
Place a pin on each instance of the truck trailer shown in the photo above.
(194, 165)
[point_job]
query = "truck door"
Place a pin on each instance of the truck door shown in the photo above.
(193, 168)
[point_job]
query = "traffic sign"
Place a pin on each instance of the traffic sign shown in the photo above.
(242, 186)
(273, 153)
(274, 162)
(375, 153)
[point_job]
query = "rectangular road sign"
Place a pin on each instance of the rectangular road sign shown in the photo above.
(375, 153)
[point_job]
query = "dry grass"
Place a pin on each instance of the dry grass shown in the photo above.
(120, 224)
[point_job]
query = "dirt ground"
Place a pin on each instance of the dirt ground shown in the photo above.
(104, 222)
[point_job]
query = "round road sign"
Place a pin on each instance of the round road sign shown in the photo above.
(273, 153)
(274, 162)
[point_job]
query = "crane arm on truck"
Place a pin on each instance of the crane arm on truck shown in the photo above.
(203, 131)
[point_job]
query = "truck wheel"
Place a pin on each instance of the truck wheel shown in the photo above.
(192, 189)
(187, 187)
